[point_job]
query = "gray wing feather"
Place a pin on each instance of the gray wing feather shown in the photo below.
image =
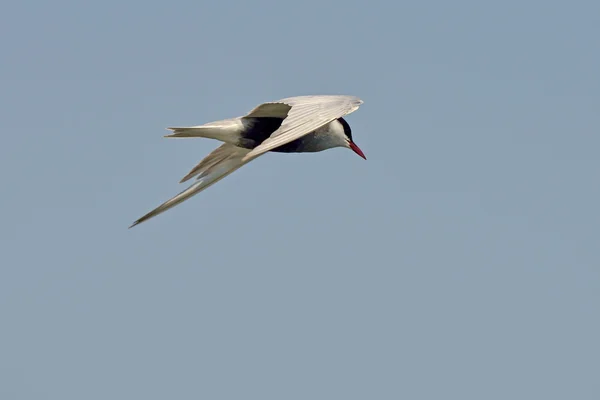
(304, 115)
(222, 153)
(217, 165)
(277, 109)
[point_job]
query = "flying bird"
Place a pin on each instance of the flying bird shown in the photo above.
(302, 124)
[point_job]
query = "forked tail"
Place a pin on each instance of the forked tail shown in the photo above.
(227, 131)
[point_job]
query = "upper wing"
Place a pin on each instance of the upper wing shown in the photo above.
(217, 165)
(277, 109)
(302, 115)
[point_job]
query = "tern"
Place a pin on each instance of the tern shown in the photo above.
(302, 124)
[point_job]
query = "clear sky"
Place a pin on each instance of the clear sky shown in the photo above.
(460, 261)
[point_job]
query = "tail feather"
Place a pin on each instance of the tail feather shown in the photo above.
(227, 131)
(221, 162)
(187, 132)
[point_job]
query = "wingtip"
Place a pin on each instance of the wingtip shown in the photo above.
(138, 221)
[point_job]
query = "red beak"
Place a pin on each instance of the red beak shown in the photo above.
(357, 150)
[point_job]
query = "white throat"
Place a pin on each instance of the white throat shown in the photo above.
(326, 137)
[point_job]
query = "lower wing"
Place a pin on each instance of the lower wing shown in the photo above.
(217, 165)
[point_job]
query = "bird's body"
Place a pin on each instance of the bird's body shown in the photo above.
(303, 124)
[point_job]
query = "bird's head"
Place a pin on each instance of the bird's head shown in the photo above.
(349, 143)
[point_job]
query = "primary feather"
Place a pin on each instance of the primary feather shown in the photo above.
(216, 166)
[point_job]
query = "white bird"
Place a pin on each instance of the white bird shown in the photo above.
(300, 124)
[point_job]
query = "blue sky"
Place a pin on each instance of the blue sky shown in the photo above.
(460, 261)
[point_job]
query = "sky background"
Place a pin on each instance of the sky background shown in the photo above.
(460, 261)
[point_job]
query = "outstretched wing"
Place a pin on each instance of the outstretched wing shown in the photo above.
(303, 114)
(224, 160)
